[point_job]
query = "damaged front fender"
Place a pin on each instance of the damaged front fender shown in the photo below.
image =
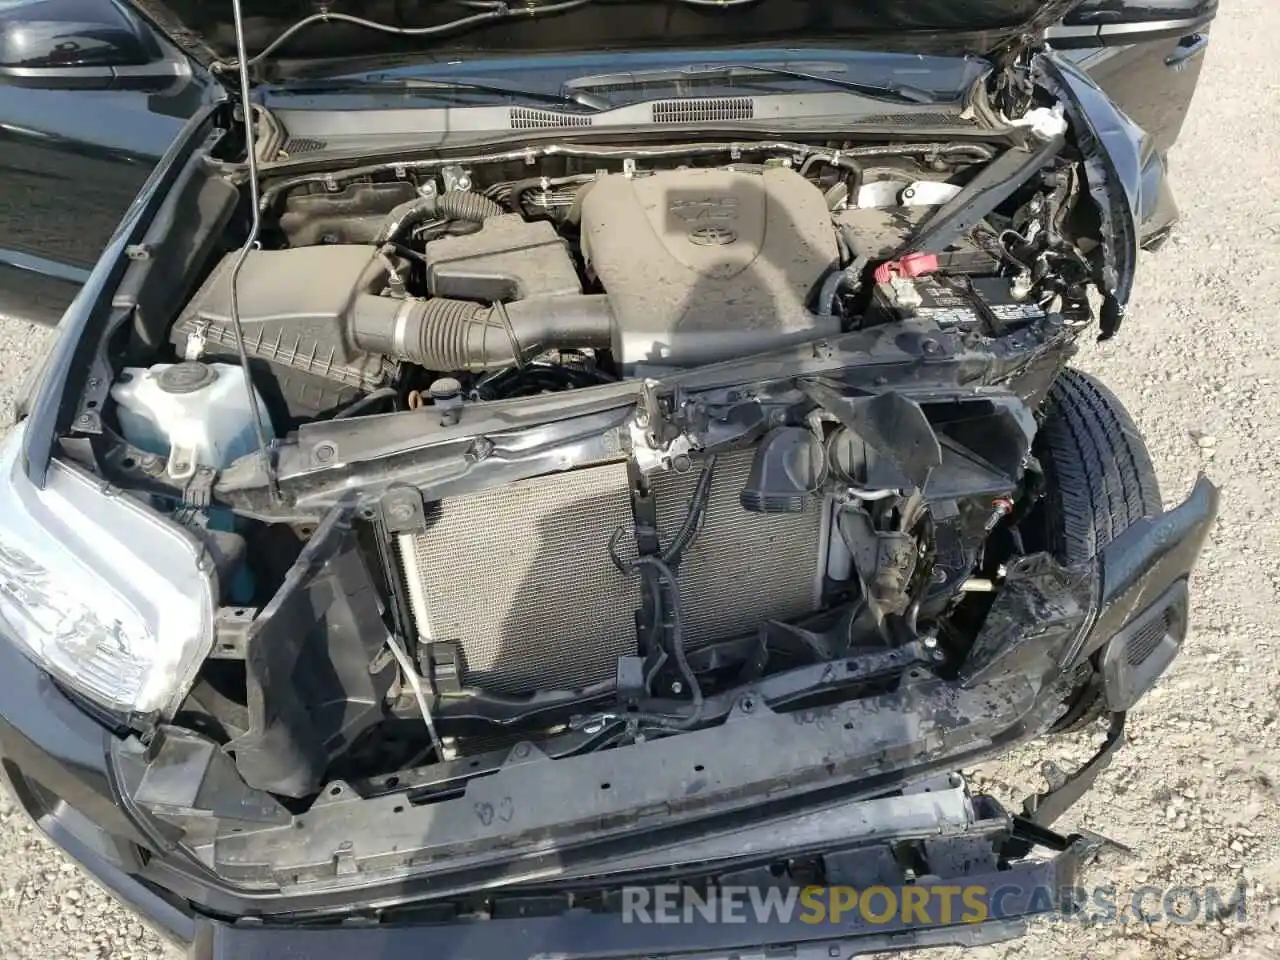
(1127, 181)
(1126, 608)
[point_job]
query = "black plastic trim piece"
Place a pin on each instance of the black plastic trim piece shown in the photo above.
(1124, 683)
(580, 934)
(309, 655)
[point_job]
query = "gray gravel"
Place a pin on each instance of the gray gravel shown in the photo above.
(1197, 792)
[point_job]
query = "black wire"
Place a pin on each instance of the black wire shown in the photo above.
(675, 645)
(495, 13)
(653, 570)
(368, 400)
(693, 519)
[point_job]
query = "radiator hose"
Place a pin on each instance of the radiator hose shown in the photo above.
(445, 334)
(452, 205)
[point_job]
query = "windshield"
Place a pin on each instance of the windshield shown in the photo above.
(943, 26)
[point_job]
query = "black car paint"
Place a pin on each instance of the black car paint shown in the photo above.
(1153, 80)
(83, 122)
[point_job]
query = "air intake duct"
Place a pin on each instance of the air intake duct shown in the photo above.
(445, 334)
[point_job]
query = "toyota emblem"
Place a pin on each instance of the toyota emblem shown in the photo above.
(712, 236)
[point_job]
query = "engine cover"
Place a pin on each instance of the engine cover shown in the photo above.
(704, 265)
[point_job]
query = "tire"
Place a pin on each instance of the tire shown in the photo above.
(1099, 481)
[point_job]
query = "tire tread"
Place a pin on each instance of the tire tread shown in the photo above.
(1100, 477)
(1100, 481)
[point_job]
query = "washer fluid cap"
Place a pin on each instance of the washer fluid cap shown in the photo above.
(187, 377)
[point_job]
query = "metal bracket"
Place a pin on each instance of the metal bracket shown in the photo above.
(524, 752)
(748, 706)
(402, 510)
(455, 178)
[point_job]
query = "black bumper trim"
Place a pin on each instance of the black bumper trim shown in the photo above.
(1014, 896)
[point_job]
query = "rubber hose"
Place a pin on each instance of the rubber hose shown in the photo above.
(843, 162)
(466, 205)
(453, 205)
(445, 334)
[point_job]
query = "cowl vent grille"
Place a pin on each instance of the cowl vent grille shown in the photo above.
(702, 111)
(297, 145)
(525, 118)
(915, 120)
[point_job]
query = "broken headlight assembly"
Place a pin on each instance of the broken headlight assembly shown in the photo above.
(112, 600)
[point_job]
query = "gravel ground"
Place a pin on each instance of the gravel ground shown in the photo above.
(1196, 794)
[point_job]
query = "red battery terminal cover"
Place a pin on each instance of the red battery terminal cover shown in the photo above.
(911, 265)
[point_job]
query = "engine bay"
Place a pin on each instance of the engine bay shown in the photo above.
(556, 281)
(571, 448)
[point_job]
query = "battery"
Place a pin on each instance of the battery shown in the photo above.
(925, 298)
(965, 303)
(996, 297)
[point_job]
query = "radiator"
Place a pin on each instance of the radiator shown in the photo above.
(520, 577)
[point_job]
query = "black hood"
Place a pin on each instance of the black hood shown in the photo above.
(964, 27)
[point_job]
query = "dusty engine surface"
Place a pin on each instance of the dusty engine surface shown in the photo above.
(705, 264)
(695, 265)
(643, 270)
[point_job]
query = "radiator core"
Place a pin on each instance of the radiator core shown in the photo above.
(520, 576)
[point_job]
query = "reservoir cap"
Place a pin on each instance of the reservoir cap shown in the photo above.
(187, 377)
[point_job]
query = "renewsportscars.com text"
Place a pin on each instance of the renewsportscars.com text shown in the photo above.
(927, 905)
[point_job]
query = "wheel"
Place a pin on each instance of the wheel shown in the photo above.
(1099, 480)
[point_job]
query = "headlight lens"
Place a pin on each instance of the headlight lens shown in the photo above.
(100, 590)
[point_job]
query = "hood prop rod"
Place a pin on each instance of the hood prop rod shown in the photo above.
(251, 153)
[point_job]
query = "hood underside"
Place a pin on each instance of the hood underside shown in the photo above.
(961, 27)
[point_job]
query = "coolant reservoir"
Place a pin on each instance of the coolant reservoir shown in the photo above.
(196, 414)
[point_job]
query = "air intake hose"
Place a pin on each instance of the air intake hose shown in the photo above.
(444, 334)
(451, 205)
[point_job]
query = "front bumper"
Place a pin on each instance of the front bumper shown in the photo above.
(62, 765)
(1006, 900)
